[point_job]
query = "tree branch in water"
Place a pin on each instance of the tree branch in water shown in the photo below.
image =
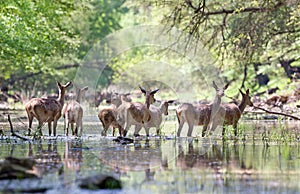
(277, 113)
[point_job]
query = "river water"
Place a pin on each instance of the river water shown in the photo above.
(264, 159)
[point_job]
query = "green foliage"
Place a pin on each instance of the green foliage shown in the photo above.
(31, 35)
(40, 37)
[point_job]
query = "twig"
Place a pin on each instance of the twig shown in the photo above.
(13, 133)
(277, 113)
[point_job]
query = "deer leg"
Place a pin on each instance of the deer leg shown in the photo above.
(54, 127)
(120, 129)
(65, 124)
(76, 128)
(157, 131)
(214, 125)
(223, 131)
(49, 127)
(72, 128)
(81, 129)
(179, 128)
(68, 125)
(40, 127)
(204, 130)
(30, 119)
(126, 124)
(235, 129)
(103, 132)
(190, 130)
(147, 131)
(137, 130)
(113, 131)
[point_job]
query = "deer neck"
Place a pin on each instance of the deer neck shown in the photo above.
(78, 97)
(162, 107)
(61, 97)
(242, 105)
(147, 103)
(216, 105)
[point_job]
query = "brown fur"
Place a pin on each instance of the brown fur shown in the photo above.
(73, 113)
(229, 114)
(200, 114)
(155, 118)
(108, 116)
(131, 113)
(46, 110)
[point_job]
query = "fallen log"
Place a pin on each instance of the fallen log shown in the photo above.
(15, 134)
(277, 113)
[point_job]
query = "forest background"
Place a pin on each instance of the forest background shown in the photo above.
(254, 43)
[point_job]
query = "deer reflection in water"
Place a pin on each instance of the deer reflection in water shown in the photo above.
(223, 160)
(47, 160)
(73, 155)
(143, 156)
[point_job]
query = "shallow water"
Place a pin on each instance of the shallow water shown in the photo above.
(164, 164)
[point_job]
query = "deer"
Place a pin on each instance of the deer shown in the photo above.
(73, 113)
(131, 113)
(46, 110)
(156, 118)
(200, 114)
(108, 116)
(229, 114)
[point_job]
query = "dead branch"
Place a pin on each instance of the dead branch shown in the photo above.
(13, 133)
(277, 113)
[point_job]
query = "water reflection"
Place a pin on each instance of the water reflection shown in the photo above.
(163, 165)
(73, 155)
(222, 160)
(47, 157)
(142, 156)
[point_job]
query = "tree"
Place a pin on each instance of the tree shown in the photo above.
(241, 32)
(44, 41)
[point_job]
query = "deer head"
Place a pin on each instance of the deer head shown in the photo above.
(220, 91)
(149, 96)
(246, 97)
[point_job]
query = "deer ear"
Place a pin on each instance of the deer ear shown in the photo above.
(226, 86)
(241, 92)
(68, 84)
(58, 84)
(154, 91)
(142, 89)
(214, 85)
(85, 88)
(247, 91)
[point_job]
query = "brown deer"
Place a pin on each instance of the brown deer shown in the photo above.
(46, 110)
(200, 114)
(131, 113)
(156, 118)
(73, 112)
(108, 116)
(229, 114)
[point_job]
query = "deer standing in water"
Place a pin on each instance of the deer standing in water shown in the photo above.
(229, 114)
(130, 113)
(156, 118)
(73, 113)
(108, 116)
(46, 110)
(200, 114)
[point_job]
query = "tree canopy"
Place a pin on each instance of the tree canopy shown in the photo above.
(253, 43)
